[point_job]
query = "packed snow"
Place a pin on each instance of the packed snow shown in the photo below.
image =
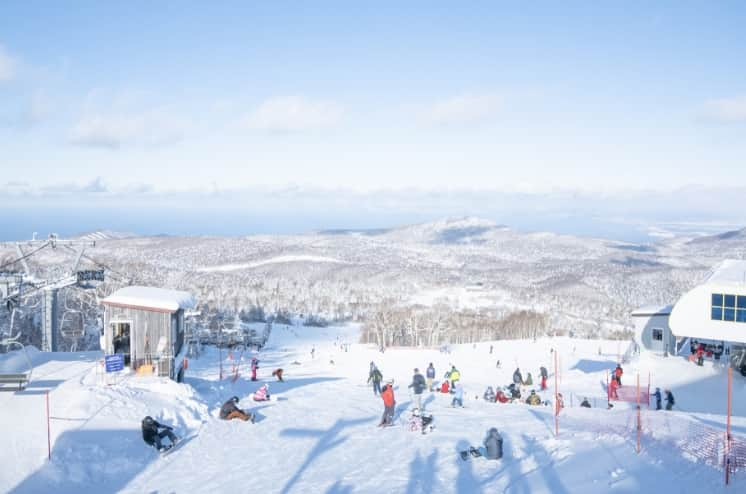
(319, 433)
(264, 262)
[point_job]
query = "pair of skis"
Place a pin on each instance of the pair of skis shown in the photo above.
(474, 452)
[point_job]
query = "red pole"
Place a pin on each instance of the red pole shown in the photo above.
(556, 401)
(608, 391)
(49, 431)
(639, 422)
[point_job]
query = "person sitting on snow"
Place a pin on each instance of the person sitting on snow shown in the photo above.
(500, 396)
(529, 380)
(278, 374)
(493, 445)
(152, 435)
(515, 391)
(489, 395)
(444, 388)
(230, 411)
(533, 398)
(262, 394)
(421, 420)
(585, 403)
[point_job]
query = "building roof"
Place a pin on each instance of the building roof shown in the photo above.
(728, 272)
(652, 310)
(150, 298)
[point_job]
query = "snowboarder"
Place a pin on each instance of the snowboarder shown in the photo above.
(669, 400)
(529, 380)
(230, 411)
(262, 394)
(493, 445)
(455, 376)
(489, 395)
(387, 394)
(278, 374)
(618, 374)
(517, 377)
(152, 435)
(657, 396)
(458, 395)
(585, 403)
(375, 377)
(254, 367)
(418, 386)
(533, 398)
(430, 373)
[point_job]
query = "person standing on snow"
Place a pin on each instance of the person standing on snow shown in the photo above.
(455, 376)
(313, 352)
(387, 394)
(618, 374)
(613, 385)
(418, 386)
(544, 375)
(517, 377)
(529, 380)
(669, 400)
(657, 396)
(493, 445)
(458, 395)
(375, 376)
(254, 367)
(430, 376)
(152, 435)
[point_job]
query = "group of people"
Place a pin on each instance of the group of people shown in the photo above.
(698, 351)
(669, 399)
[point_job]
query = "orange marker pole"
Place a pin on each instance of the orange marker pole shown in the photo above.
(49, 431)
(639, 422)
(556, 401)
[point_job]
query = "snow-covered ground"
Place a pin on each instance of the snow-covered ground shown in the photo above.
(319, 434)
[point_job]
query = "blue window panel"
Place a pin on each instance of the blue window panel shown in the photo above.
(717, 313)
(717, 299)
(729, 315)
(741, 302)
(730, 300)
(741, 315)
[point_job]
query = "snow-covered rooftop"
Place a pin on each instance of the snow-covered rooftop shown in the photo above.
(148, 297)
(729, 272)
(652, 310)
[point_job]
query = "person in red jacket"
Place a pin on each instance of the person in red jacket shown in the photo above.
(618, 374)
(387, 394)
(444, 387)
(612, 390)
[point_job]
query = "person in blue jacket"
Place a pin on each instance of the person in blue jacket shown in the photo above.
(657, 395)
(418, 386)
(458, 395)
(430, 373)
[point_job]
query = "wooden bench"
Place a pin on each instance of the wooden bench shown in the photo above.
(21, 379)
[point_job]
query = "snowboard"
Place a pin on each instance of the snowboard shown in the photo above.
(179, 442)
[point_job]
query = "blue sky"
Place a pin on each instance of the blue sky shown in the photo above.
(127, 98)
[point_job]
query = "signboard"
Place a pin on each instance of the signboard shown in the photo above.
(114, 363)
(91, 275)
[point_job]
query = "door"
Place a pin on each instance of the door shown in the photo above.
(121, 337)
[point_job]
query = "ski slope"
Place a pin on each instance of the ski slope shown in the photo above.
(318, 433)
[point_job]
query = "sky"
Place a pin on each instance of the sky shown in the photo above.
(185, 105)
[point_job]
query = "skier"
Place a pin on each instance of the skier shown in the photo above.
(489, 395)
(455, 376)
(669, 400)
(612, 390)
(517, 377)
(230, 411)
(278, 374)
(458, 396)
(418, 386)
(657, 395)
(387, 394)
(618, 374)
(375, 376)
(262, 394)
(529, 380)
(585, 403)
(152, 435)
(533, 398)
(254, 367)
(430, 373)
(493, 445)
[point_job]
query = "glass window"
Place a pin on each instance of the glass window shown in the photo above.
(741, 315)
(729, 314)
(741, 302)
(717, 313)
(717, 299)
(730, 300)
(657, 334)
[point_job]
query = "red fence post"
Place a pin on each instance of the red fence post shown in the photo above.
(49, 432)
(639, 422)
(556, 398)
(608, 391)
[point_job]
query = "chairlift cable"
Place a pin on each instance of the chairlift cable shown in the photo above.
(25, 256)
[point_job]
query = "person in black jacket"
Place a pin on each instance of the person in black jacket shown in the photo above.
(152, 435)
(230, 411)
(418, 385)
(669, 400)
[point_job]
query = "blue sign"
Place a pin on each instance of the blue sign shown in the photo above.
(114, 363)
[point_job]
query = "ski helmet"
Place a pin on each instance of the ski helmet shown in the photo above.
(234, 399)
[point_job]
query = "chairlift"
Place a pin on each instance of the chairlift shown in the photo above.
(21, 378)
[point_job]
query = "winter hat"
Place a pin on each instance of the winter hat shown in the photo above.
(416, 369)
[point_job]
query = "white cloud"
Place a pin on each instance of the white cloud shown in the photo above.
(294, 114)
(726, 110)
(7, 65)
(464, 108)
(113, 131)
